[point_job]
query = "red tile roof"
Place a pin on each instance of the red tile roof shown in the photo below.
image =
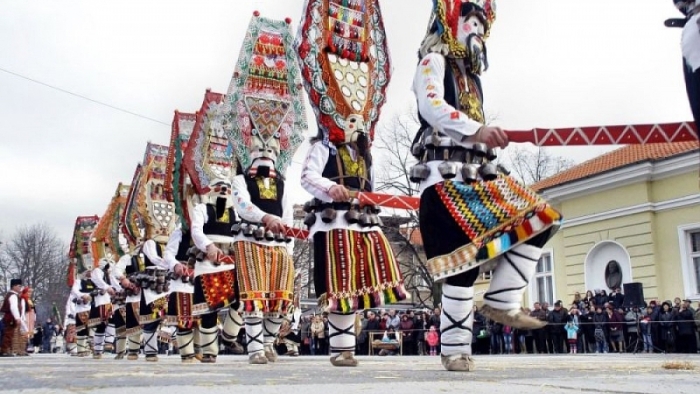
(413, 235)
(627, 155)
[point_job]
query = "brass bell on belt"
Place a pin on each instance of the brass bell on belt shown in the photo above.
(236, 228)
(328, 215)
(279, 237)
(259, 233)
(269, 236)
(352, 216)
(364, 218)
(448, 169)
(249, 230)
(310, 219)
(309, 206)
(419, 173)
(373, 220)
(503, 170)
(470, 172)
(488, 171)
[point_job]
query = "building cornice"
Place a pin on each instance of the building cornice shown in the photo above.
(628, 175)
(681, 202)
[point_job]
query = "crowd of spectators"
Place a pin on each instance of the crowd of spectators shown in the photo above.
(596, 323)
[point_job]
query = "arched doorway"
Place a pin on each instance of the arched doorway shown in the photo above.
(607, 266)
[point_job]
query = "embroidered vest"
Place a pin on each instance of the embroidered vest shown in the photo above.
(139, 261)
(353, 174)
(6, 306)
(185, 245)
(86, 286)
(269, 200)
(219, 226)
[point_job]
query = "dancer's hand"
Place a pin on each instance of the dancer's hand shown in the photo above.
(213, 253)
(339, 193)
(273, 223)
(110, 291)
(493, 137)
(179, 269)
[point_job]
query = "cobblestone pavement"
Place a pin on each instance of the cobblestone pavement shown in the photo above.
(406, 375)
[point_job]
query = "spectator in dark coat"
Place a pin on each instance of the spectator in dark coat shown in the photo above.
(667, 328)
(685, 324)
(556, 320)
(616, 298)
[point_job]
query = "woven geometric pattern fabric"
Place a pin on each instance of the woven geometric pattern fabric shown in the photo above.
(265, 277)
(80, 246)
(209, 154)
(131, 221)
(362, 271)
(151, 200)
(265, 99)
(219, 289)
(105, 238)
(485, 208)
(345, 62)
(496, 216)
(182, 128)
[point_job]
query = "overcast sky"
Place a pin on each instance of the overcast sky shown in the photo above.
(554, 63)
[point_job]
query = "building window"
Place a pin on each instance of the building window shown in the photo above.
(543, 283)
(689, 241)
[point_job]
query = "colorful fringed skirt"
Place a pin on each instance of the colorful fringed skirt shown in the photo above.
(265, 277)
(141, 313)
(180, 310)
(99, 314)
(214, 291)
(465, 226)
(355, 270)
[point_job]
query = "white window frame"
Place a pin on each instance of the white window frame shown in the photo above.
(532, 288)
(689, 283)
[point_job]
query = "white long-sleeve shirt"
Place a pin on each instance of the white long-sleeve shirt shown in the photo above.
(76, 293)
(97, 276)
(428, 86)
(171, 249)
(198, 217)
(252, 213)
(170, 258)
(690, 41)
(150, 250)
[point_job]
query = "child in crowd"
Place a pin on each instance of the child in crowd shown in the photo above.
(571, 335)
(432, 338)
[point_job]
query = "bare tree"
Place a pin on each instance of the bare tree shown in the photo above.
(532, 166)
(37, 256)
(303, 265)
(393, 143)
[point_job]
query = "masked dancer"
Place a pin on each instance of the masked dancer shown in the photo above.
(470, 214)
(345, 65)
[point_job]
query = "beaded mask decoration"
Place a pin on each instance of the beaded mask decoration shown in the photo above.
(446, 15)
(80, 251)
(266, 97)
(345, 63)
(151, 199)
(182, 128)
(105, 238)
(208, 159)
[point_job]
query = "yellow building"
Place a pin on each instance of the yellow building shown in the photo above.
(631, 215)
